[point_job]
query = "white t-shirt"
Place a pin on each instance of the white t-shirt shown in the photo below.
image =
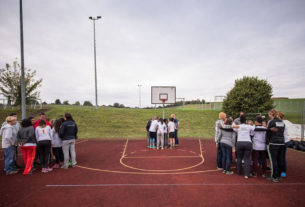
(244, 132)
(171, 126)
(153, 126)
(161, 128)
(43, 133)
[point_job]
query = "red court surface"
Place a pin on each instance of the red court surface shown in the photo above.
(126, 173)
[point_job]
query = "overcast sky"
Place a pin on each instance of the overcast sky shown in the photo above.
(200, 47)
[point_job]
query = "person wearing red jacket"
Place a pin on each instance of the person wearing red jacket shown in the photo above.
(42, 117)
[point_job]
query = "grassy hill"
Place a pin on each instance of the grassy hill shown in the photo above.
(121, 123)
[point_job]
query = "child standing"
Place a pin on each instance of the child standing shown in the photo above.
(165, 133)
(44, 137)
(27, 141)
(153, 132)
(160, 134)
(57, 145)
(171, 131)
(259, 146)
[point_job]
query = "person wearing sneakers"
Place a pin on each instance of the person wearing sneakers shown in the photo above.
(243, 145)
(9, 142)
(226, 139)
(287, 140)
(57, 145)
(68, 133)
(44, 136)
(153, 132)
(171, 131)
(259, 147)
(160, 134)
(27, 142)
(275, 144)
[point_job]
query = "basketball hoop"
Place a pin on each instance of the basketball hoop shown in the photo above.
(163, 101)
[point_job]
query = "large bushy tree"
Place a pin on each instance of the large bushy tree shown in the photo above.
(10, 84)
(250, 95)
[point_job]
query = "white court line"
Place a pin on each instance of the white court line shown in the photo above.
(177, 184)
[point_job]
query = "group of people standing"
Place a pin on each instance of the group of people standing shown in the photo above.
(160, 131)
(263, 140)
(38, 140)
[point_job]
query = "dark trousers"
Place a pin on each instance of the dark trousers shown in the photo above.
(58, 153)
(243, 151)
(44, 152)
(284, 167)
(153, 137)
(276, 158)
(219, 157)
(226, 151)
(176, 137)
(256, 154)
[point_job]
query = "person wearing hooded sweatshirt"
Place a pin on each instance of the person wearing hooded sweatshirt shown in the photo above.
(68, 134)
(27, 141)
(9, 142)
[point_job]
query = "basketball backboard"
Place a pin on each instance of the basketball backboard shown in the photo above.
(163, 93)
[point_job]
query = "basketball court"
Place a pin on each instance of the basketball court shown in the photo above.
(126, 173)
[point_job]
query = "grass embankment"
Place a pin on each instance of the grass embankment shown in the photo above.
(121, 123)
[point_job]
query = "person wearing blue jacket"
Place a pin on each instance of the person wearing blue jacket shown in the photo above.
(68, 134)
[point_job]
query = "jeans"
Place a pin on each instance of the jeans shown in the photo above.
(243, 151)
(226, 151)
(153, 138)
(9, 159)
(44, 152)
(58, 153)
(219, 157)
(276, 159)
(148, 138)
(69, 146)
(160, 140)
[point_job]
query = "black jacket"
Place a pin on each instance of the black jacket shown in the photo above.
(148, 125)
(276, 136)
(68, 130)
(26, 135)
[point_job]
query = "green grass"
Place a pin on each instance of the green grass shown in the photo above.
(130, 123)
(123, 123)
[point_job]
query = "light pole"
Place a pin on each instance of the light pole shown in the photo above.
(93, 19)
(139, 95)
(23, 106)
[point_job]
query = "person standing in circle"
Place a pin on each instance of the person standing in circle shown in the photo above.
(171, 130)
(275, 144)
(176, 122)
(68, 134)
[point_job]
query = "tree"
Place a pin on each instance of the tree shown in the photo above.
(87, 103)
(249, 95)
(116, 105)
(57, 101)
(10, 84)
(65, 103)
(76, 103)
